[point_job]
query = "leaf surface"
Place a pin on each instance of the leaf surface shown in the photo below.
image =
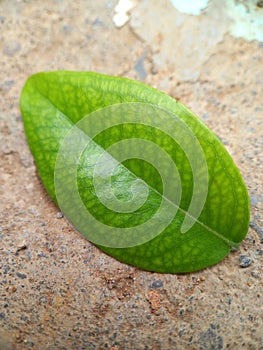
(199, 189)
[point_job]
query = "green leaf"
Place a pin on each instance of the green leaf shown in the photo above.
(134, 171)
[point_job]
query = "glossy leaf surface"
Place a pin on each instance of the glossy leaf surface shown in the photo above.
(173, 199)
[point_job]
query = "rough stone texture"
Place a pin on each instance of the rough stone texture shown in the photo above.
(57, 291)
(179, 38)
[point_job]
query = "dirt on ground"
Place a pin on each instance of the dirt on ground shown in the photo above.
(57, 290)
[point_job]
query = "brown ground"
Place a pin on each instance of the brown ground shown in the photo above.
(57, 291)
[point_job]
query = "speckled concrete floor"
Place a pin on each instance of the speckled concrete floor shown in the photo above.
(57, 291)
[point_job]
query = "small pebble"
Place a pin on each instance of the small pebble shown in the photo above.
(258, 253)
(60, 215)
(21, 246)
(157, 284)
(245, 261)
(21, 275)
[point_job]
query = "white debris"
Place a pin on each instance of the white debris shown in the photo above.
(191, 7)
(246, 16)
(247, 19)
(120, 19)
(121, 10)
(123, 6)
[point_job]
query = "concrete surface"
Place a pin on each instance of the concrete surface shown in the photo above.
(57, 291)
